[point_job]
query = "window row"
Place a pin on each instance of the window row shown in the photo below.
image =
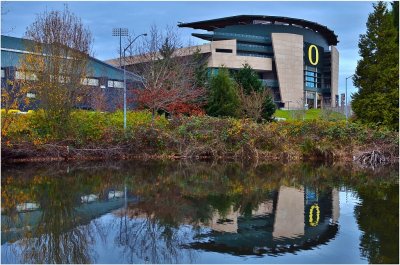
(313, 84)
(86, 81)
(268, 47)
(116, 84)
(254, 54)
(242, 35)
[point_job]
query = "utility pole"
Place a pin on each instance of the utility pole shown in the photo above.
(347, 107)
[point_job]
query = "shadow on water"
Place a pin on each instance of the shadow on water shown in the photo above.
(173, 212)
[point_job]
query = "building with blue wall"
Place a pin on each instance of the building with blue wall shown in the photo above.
(101, 77)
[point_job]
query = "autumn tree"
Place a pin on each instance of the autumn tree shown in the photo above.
(13, 96)
(58, 54)
(251, 104)
(377, 72)
(168, 79)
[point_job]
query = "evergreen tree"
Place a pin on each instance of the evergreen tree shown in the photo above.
(395, 12)
(223, 98)
(248, 79)
(268, 108)
(377, 71)
(200, 69)
(167, 49)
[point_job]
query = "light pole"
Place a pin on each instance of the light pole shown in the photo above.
(129, 45)
(347, 108)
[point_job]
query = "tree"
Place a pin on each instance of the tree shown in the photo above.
(200, 70)
(57, 60)
(377, 71)
(251, 104)
(269, 106)
(168, 79)
(223, 99)
(13, 95)
(395, 15)
(248, 80)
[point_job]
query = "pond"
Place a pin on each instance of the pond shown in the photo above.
(200, 212)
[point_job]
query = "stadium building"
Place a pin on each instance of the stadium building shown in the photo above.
(296, 58)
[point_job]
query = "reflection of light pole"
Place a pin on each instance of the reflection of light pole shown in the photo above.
(129, 45)
(347, 108)
(288, 104)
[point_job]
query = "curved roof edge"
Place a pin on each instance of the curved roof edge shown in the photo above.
(213, 24)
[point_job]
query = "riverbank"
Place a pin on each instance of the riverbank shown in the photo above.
(94, 135)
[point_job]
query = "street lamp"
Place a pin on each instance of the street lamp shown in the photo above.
(347, 108)
(129, 45)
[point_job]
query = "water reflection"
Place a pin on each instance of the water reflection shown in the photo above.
(292, 218)
(159, 212)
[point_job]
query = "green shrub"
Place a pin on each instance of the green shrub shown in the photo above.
(87, 126)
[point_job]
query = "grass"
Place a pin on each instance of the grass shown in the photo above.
(310, 114)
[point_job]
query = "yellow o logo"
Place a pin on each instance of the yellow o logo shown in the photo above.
(310, 57)
(311, 215)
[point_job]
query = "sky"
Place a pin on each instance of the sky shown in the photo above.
(346, 19)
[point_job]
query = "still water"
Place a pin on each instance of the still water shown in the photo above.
(178, 212)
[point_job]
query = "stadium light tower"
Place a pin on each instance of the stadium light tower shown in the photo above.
(119, 32)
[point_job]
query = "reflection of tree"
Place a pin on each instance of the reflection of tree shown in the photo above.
(145, 238)
(377, 217)
(57, 238)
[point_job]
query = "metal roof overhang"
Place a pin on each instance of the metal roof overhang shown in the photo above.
(213, 24)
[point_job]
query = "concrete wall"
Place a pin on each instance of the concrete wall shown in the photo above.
(335, 206)
(231, 60)
(289, 215)
(264, 208)
(288, 52)
(334, 74)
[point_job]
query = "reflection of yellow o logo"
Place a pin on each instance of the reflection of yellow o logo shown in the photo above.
(311, 218)
(310, 57)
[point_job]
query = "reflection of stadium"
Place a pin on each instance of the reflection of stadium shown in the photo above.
(292, 219)
(287, 220)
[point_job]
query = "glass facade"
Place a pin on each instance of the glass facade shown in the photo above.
(312, 77)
